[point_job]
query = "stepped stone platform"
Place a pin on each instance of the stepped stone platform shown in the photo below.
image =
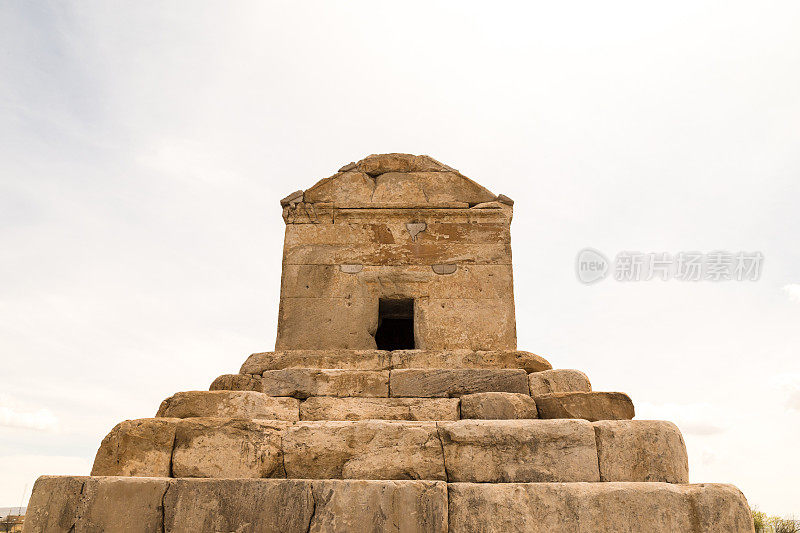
(395, 400)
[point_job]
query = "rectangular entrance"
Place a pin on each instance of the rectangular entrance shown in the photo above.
(395, 324)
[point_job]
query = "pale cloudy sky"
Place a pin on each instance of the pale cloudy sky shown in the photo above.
(144, 147)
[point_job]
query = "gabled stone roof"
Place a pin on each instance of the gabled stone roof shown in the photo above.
(397, 181)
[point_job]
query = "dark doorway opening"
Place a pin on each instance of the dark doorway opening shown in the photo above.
(395, 324)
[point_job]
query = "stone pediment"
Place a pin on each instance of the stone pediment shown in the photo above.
(397, 181)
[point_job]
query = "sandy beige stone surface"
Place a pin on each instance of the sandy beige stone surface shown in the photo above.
(224, 448)
(502, 451)
(597, 508)
(246, 505)
(498, 406)
(386, 506)
(257, 363)
(306, 382)
(77, 504)
(527, 361)
(237, 382)
(369, 449)
(329, 408)
(229, 404)
(590, 406)
(137, 448)
(415, 382)
(641, 450)
(558, 380)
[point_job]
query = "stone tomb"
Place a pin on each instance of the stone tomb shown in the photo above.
(395, 399)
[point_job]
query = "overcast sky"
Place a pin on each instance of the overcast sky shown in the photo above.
(144, 147)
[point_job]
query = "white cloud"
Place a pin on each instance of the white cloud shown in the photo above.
(793, 291)
(13, 416)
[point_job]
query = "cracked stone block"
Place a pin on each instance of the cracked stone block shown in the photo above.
(559, 380)
(505, 451)
(223, 448)
(229, 404)
(258, 363)
(414, 382)
(137, 448)
(252, 505)
(78, 503)
(527, 361)
(306, 382)
(641, 450)
(597, 508)
(329, 408)
(387, 506)
(369, 449)
(237, 382)
(590, 406)
(498, 406)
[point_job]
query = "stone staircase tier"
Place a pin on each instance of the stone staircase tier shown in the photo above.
(66, 504)
(258, 363)
(487, 451)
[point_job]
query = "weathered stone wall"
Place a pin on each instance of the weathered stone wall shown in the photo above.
(336, 268)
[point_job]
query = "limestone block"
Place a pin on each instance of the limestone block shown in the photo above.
(720, 508)
(329, 408)
(228, 404)
(386, 506)
(237, 382)
(460, 358)
(345, 188)
(339, 359)
(597, 508)
(369, 449)
(587, 405)
(417, 281)
(505, 451)
(641, 450)
(137, 448)
(54, 504)
(214, 447)
(377, 164)
(96, 504)
(498, 406)
(558, 380)
(423, 189)
(122, 504)
(399, 189)
(251, 505)
(305, 382)
(458, 323)
(327, 323)
(414, 382)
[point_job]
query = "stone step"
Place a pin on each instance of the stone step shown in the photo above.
(488, 451)
(558, 380)
(330, 408)
(257, 405)
(229, 404)
(590, 406)
(65, 504)
(403, 383)
(498, 406)
(258, 363)
(306, 382)
(416, 382)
